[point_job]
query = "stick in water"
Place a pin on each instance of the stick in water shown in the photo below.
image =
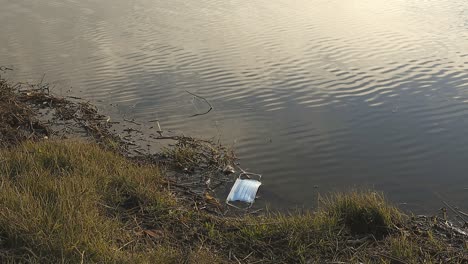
(204, 99)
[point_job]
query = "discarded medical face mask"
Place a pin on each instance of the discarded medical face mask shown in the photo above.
(244, 190)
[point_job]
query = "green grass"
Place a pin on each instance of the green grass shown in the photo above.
(60, 201)
(73, 202)
(363, 212)
(402, 247)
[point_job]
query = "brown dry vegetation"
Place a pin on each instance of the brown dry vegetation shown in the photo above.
(17, 122)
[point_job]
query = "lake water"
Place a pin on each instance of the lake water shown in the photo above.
(316, 95)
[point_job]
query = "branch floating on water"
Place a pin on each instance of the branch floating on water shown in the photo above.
(204, 99)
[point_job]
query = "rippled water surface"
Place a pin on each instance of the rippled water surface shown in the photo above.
(315, 95)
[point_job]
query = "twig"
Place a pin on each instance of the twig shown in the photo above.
(465, 214)
(42, 79)
(32, 252)
(451, 208)
(4, 69)
(204, 99)
(75, 97)
(126, 244)
(169, 137)
(258, 261)
(140, 152)
(159, 129)
(238, 261)
(255, 211)
(82, 257)
(248, 255)
(131, 121)
(393, 258)
(263, 223)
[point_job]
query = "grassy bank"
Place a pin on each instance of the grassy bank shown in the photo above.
(85, 201)
(72, 202)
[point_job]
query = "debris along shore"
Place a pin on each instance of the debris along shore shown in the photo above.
(197, 167)
(84, 201)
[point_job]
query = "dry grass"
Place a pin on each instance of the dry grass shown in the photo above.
(191, 154)
(62, 201)
(72, 202)
(30, 112)
(17, 119)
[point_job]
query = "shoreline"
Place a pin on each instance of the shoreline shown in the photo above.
(94, 203)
